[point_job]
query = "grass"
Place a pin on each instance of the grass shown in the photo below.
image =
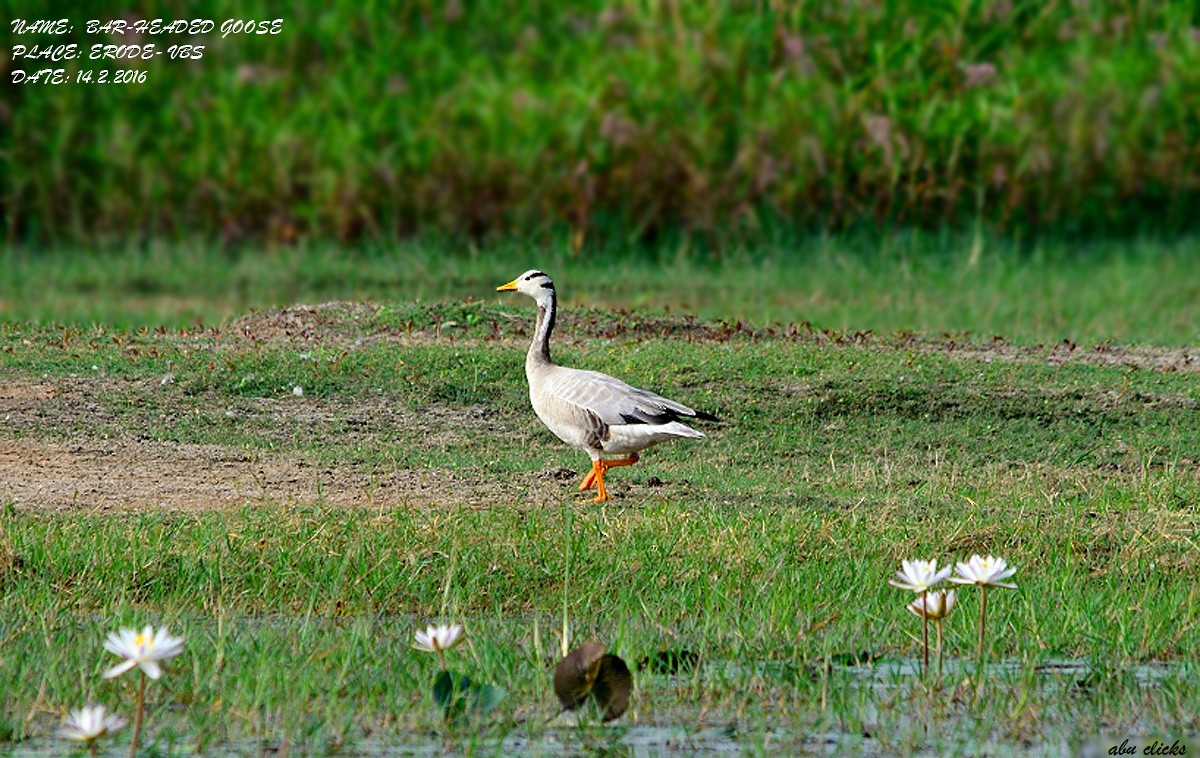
(617, 121)
(764, 548)
(1123, 292)
(284, 606)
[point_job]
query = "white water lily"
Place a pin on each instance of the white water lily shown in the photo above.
(142, 649)
(437, 639)
(919, 576)
(935, 605)
(984, 572)
(90, 723)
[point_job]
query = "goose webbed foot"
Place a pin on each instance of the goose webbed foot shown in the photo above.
(595, 477)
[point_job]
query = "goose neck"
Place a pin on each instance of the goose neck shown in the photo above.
(539, 349)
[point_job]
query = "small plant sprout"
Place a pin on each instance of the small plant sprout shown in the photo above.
(88, 724)
(935, 606)
(144, 650)
(439, 639)
(920, 576)
(984, 572)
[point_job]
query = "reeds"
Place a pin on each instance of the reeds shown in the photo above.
(624, 119)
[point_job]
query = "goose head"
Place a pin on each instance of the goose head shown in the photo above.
(533, 283)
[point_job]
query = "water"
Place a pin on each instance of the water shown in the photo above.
(888, 691)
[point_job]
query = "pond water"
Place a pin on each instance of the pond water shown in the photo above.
(885, 690)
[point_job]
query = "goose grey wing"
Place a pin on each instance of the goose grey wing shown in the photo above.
(615, 402)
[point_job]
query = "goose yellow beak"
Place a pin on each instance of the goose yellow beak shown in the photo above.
(505, 287)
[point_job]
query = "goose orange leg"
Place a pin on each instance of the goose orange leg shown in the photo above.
(595, 477)
(589, 481)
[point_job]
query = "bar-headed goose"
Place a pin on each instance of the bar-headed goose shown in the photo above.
(592, 411)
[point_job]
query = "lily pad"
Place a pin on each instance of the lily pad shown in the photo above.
(575, 674)
(613, 686)
(588, 671)
(459, 696)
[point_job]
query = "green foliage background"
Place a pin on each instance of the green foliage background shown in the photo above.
(616, 118)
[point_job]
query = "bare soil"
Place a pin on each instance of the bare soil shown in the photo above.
(344, 322)
(63, 447)
(129, 473)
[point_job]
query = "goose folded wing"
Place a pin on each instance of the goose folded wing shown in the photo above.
(616, 402)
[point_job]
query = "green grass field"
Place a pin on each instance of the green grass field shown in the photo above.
(764, 549)
(1141, 291)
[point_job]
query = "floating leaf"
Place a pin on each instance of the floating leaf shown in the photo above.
(575, 674)
(485, 697)
(458, 695)
(448, 693)
(613, 686)
(588, 671)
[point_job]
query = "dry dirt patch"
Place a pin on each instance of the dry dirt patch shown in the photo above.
(335, 321)
(21, 392)
(64, 446)
(341, 322)
(59, 450)
(128, 473)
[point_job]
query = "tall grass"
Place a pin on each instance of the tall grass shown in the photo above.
(621, 119)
